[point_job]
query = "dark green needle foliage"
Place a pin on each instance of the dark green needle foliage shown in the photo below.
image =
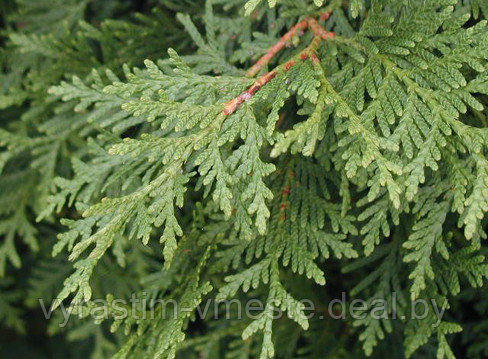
(134, 164)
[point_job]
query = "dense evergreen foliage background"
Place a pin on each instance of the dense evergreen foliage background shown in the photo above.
(276, 150)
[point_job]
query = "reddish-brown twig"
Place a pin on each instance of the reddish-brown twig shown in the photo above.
(285, 40)
(231, 106)
(318, 30)
(320, 34)
(325, 16)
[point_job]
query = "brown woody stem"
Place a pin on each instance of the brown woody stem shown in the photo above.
(318, 30)
(232, 106)
(309, 53)
(280, 45)
(286, 39)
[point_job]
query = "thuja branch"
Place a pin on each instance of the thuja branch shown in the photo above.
(309, 53)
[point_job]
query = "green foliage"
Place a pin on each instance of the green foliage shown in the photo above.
(357, 165)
